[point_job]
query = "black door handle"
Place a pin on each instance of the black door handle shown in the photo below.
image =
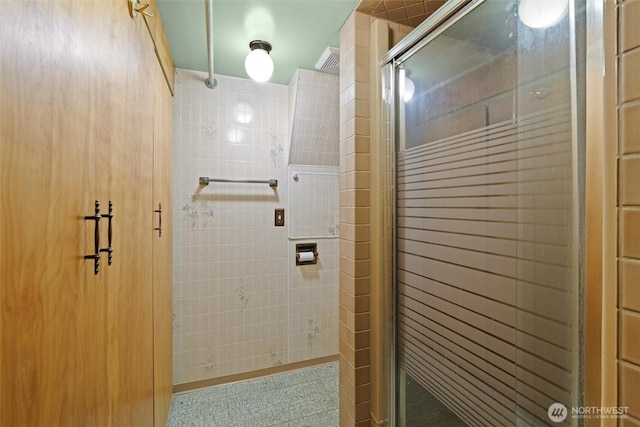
(109, 248)
(159, 227)
(96, 236)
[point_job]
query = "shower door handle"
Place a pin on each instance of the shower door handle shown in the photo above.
(159, 227)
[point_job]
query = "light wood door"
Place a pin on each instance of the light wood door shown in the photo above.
(50, 299)
(76, 125)
(162, 249)
(129, 183)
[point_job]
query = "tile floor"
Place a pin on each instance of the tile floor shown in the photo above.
(307, 397)
(424, 409)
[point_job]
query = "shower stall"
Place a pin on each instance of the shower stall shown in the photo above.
(485, 103)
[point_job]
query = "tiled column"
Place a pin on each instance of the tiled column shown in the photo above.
(355, 261)
(629, 211)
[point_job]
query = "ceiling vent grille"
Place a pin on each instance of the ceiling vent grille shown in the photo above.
(330, 60)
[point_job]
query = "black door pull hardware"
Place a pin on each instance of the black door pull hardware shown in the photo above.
(109, 249)
(96, 236)
(159, 227)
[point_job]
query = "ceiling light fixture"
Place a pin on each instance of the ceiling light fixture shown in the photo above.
(542, 13)
(258, 63)
(409, 88)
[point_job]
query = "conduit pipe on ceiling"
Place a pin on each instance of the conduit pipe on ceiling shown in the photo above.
(208, 9)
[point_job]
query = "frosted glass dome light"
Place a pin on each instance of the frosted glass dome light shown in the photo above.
(258, 63)
(542, 13)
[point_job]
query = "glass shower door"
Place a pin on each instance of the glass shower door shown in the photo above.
(487, 223)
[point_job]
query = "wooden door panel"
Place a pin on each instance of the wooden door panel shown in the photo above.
(49, 293)
(162, 250)
(76, 123)
(126, 117)
(129, 301)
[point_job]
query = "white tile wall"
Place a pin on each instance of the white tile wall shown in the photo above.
(238, 297)
(313, 205)
(313, 316)
(315, 139)
(314, 218)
